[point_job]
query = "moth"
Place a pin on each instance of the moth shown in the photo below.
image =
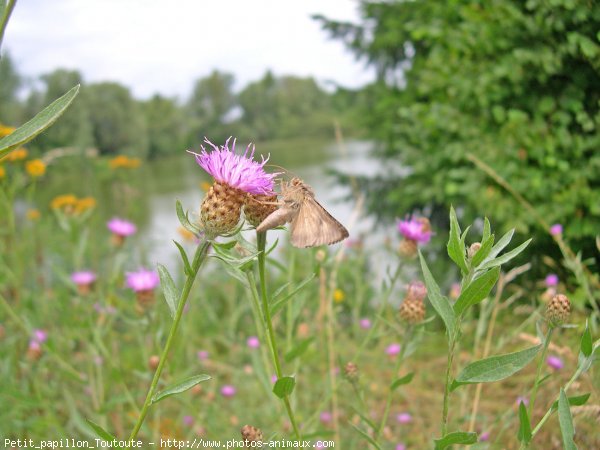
(310, 224)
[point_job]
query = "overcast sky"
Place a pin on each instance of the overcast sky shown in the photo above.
(157, 46)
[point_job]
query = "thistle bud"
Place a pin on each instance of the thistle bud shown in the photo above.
(251, 434)
(221, 208)
(257, 207)
(351, 371)
(153, 362)
(558, 310)
(412, 310)
(474, 248)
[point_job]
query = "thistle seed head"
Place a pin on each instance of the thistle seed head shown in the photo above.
(221, 208)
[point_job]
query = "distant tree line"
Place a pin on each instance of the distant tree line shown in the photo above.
(107, 117)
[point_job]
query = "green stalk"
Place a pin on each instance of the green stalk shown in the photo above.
(536, 383)
(451, 349)
(388, 403)
(261, 239)
(199, 258)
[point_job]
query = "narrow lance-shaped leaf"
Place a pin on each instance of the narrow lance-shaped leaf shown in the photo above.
(183, 219)
(477, 290)
(506, 257)
(100, 432)
(586, 341)
(566, 421)
(400, 381)
(168, 288)
(483, 252)
(39, 123)
(524, 434)
(487, 229)
(366, 436)
(500, 245)
(576, 400)
(456, 247)
(299, 349)
(438, 301)
(182, 386)
(456, 437)
(495, 368)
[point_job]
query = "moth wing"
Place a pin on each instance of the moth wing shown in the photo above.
(314, 226)
(278, 217)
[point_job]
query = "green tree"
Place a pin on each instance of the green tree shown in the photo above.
(74, 128)
(211, 101)
(10, 82)
(166, 125)
(118, 124)
(514, 83)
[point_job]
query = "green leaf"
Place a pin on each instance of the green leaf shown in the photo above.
(476, 291)
(487, 230)
(500, 245)
(484, 250)
(299, 349)
(187, 269)
(456, 437)
(366, 436)
(586, 341)
(39, 123)
(284, 386)
(184, 220)
(576, 400)
(281, 302)
(180, 387)
(168, 287)
(100, 432)
(566, 421)
(400, 381)
(456, 246)
(438, 301)
(495, 368)
(506, 257)
(524, 434)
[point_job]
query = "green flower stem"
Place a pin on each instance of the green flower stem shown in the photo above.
(451, 349)
(199, 258)
(261, 239)
(536, 383)
(388, 404)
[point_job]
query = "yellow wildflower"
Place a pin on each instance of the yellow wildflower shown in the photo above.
(83, 204)
(124, 162)
(66, 201)
(5, 130)
(2, 172)
(17, 155)
(338, 296)
(35, 168)
(33, 214)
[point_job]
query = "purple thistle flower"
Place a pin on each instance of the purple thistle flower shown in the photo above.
(39, 336)
(556, 229)
(253, 342)
(400, 447)
(202, 355)
(121, 227)
(83, 277)
(142, 280)
(484, 437)
(325, 417)
(228, 391)
(393, 349)
(365, 323)
(552, 280)
(414, 230)
(238, 171)
(188, 421)
(555, 362)
(404, 418)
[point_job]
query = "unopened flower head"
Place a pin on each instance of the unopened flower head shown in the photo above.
(84, 280)
(558, 310)
(351, 371)
(551, 280)
(412, 310)
(417, 290)
(555, 362)
(235, 176)
(258, 207)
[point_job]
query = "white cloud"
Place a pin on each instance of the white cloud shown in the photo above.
(157, 46)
